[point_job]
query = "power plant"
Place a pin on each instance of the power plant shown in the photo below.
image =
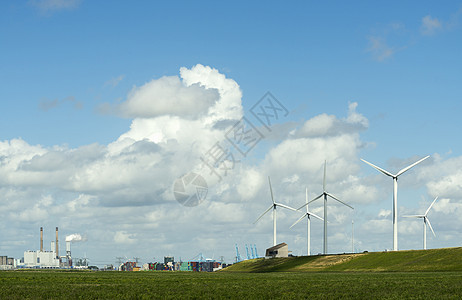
(44, 259)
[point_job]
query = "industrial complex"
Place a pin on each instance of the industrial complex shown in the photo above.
(41, 259)
(50, 259)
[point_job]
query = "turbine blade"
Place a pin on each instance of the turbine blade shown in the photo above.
(407, 168)
(306, 199)
(316, 216)
(271, 189)
(378, 168)
(324, 180)
(431, 206)
(413, 216)
(315, 199)
(333, 197)
(301, 218)
(430, 225)
(264, 213)
(285, 206)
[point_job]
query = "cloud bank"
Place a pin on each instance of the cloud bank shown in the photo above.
(120, 194)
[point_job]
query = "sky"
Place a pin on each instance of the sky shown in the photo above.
(106, 108)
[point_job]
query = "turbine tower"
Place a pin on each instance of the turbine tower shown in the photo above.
(395, 195)
(325, 194)
(273, 206)
(426, 221)
(308, 221)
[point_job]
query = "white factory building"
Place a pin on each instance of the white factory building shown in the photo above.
(40, 259)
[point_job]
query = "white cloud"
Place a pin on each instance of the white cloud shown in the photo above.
(379, 49)
(430, 25)
(168, 96)
(328, 125)
(384, 213)
(122, 237)
(229, 107)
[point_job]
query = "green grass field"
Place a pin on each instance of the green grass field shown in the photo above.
(174, 285)
(430, 274)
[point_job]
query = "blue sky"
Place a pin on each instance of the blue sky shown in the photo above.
(68, 65)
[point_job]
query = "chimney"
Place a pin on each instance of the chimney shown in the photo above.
(57, 253)
(41, 239)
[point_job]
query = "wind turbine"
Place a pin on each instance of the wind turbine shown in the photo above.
(395, 195)
(325, 194)
(308, 220)
(426, 221)
(273, 207)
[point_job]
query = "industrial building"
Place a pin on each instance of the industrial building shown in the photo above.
(7, 263)
(47, 259)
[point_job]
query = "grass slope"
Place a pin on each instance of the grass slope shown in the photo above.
(448, 259)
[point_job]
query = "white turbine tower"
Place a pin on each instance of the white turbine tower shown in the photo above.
(307, 215)
(426, 221)
(274, 206)
(325, 194)
(395, 195)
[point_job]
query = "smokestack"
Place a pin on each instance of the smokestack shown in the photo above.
(41, 239)
(57, 253)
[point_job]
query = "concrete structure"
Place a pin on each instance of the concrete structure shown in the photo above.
(41, 258)
(7, 263)
(57, 248)
(68, 257)
(280, 250)
(41, 239)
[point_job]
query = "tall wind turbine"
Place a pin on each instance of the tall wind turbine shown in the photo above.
(308, 220)
(426, 221)
(273, 207)
(395, 195)
(325, 194)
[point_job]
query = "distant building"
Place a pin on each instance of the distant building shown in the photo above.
(7, 263)
(280, 250)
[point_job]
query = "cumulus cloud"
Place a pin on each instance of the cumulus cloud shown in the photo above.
(430, 25)
(168, 96)
(198, 93)
(328, 125)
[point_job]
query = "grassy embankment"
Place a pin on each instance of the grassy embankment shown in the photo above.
(448, 259)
